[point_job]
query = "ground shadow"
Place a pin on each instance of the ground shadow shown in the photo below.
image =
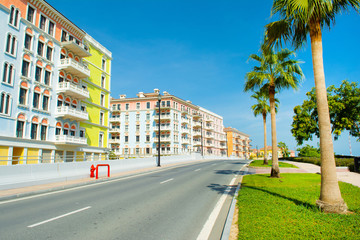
(232, 172)
(223, 189)
(307, 205)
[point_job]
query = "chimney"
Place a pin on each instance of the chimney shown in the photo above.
(141, 95)
(123, 96)
(166, 93)
(156, 90)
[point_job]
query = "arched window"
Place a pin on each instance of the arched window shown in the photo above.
(67, 102)
(36, 98)
(66, 129)
(5, 103)
(11, 42)
(43, 130)
(45, 102)
(60, 101)
(34, 128)
(24, 88)
(20, 123)
(72, 130)
(14, 16)
(74, 104)
(8, 73)
(58, 129)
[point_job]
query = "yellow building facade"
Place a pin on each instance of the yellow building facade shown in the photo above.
(238, 143)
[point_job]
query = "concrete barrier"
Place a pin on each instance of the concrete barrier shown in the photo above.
(15, 176)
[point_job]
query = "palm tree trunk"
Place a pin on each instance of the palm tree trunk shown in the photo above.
(275, 171)
(330, 195)
(265, 146)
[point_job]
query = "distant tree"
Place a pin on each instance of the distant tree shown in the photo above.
(344, 109)
(308, 151)
(284, 149)
(262, 107)
(277, 70)
(112, 155)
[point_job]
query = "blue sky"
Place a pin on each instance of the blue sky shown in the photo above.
(198, 51)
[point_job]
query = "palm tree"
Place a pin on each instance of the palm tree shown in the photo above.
(277, 71)
(262, 107)
(298, 19)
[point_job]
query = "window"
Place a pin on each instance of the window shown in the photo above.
(101, 118)
(40, 49)
(148, 105)
(101, 139)
(103, 81)
(126, 139)
(47, 78)
(127, 106)
(168, 103)
(10, 44)
(42, 23)
(4, 103)
(8, 73)
(14, 16)
(147, 150)
(147, 127)
(51, 28)
(33, 131)
(137, 150)
(38, 71)
(148, 116)
(137, 117)
(25, 68)
(126, 118)
(43, 132)
(138, 105)
(147, 138)
(36, 100)
(57, 130)
(45, 103)
(82, 133)
(103, 64)
(49, 52)
(63, 36)
(28, 41)
(137, 127)
(126, 151)
(102, 99)
(30, 14)
(137, 138)
(126, 128)
(23, 95)
(20, 128)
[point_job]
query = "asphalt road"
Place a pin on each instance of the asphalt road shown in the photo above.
(171, 203)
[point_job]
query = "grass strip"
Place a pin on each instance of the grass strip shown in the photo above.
(284, 208)
(259, 163)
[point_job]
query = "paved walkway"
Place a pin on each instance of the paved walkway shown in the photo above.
(343, 173)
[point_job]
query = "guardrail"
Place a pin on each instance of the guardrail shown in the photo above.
(100, 165)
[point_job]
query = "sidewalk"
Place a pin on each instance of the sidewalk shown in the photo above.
(343, 173)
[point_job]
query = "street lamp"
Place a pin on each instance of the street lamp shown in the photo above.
(158, 161)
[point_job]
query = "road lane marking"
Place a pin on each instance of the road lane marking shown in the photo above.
(61, 216)
(197, 169)
(167, 181)
(210, 222)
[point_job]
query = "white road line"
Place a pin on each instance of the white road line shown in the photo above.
(167, 180)
(208, 226)
(197, 169)
(61, 216)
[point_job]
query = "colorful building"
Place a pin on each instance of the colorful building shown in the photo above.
(184, 127)
(238, 143)
(50, 86)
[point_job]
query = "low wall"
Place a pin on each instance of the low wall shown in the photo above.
(14, 176)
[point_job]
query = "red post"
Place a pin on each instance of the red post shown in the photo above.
(105, 165)
(92, 169)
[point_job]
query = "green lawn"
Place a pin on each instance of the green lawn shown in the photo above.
(284, 208)
(259, 163)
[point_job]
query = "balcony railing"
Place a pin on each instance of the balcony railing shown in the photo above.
(196, 133)
(73, 90)
(185, 141)
(114, 141)
(114, 130)
(115, 108)
(196, 143)
(77, 48)
(114, 119)
(196, 124)
(71, 113)
(162, 128)
(70, 140)
(162, 139)
(162, 117)
(74, 67)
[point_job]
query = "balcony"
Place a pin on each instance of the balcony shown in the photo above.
(196, 143)
(209, 126)
(196, 133)
(69, 140)
(74, 67)
(71, 113)
(115, 108)
(196, 116)
(114, 119)
(77, 48)
(163, 128)
(73, 90)
(114, 141)
(185, 130)
(196, 124)
(209, 144)
(209, 135)
(185, 141)
(162, 117)
(114, 130)
(162, 139)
